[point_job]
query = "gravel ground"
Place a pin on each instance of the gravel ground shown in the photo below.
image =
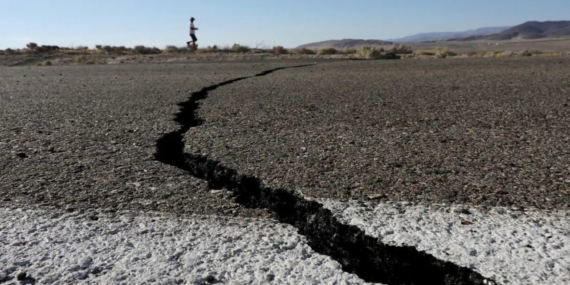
(472, 131)
(85, 136)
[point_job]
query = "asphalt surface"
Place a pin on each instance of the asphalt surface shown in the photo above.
(85, 136)
(472, 131)
(479, 131)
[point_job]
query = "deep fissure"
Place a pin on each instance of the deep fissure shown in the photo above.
(358, 253)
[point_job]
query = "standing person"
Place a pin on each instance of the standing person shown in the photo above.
(192, 33)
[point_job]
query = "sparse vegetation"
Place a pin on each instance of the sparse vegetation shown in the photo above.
(327, 51)
(350, 51)
(140, 49)
(240, 48)
(304, 51)
(32, 46)
(172, 49)
(85, 60)
(401, 49)
(372, 52)
(369, 52)
(279, 50)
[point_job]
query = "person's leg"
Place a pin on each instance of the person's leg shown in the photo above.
(194, 39)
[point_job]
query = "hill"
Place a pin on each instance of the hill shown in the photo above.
(439, 36)
(528, 31)
(345, 43)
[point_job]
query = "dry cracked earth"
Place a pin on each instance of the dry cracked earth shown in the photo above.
(470, 131)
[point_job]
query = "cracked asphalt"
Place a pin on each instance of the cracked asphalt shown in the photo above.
(475, 131)
(490, 132)
(85, 136)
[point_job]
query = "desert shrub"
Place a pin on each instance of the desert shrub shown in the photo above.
(84, 48)
(99, 47)
(401, 49)
(441, 54)
(32, 46)
(45, 48)
(304, 51)
(208, 49)
(48, 63)
(240, 48)
(425, 52)
(472, 54)
(493, 54)
(140, 49)
(508, 53)
(279, 50)
(525, 53)
(9, 51)
(350, 51)
(368, 52)
(327, 51)
(171, 49)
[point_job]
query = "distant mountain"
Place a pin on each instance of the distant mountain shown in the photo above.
(346, 43)
(528, 31)
(440, 36)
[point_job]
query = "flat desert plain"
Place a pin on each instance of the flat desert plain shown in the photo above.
(451, 171)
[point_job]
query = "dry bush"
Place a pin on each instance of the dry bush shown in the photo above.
(208, 49)
(172, 49)
(425, 52)
(327, 51)
(350, 51)
(279, 50)
(524, 53)
(32, 46)
(140, 49)
(493, 54)
(508, 53)
(368, 52)
(472, 54)
(401, 49)
(240, 48)
(303, 51)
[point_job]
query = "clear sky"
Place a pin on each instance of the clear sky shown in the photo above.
(250, 22)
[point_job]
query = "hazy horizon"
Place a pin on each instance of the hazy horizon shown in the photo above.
(253, 22)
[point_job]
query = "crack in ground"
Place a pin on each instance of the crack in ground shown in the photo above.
(358, 253)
